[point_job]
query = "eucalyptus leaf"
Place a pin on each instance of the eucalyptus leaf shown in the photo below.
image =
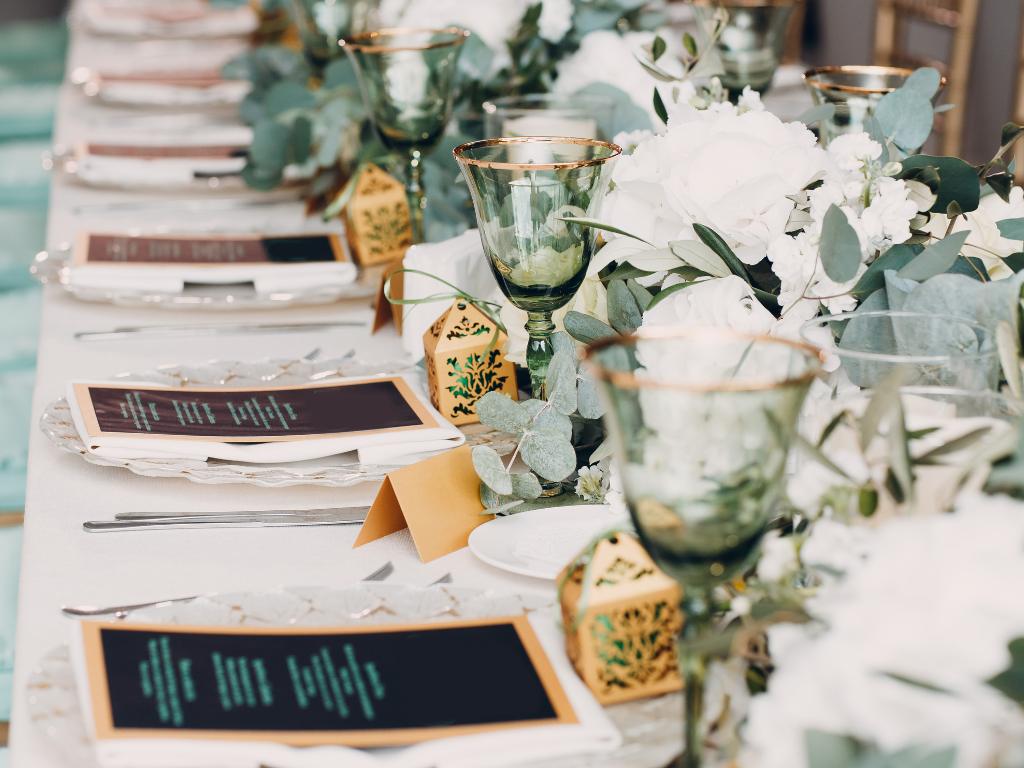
(588, 401)
(585, 328)
(1011, 229)
(340, 73)
(550, 456)
(603, 451)
(906, 117)
(491, 469)
(287, 95)
(498, 410)
(884, 399)
(623, 311)
(900, 463)
(300, 139)
(936, 258)
(697, 254)
(625, 116)
(642, 295)
(562, 341)
(495, 503)
(560, 383)
(546, 419)
(659, 105)
(269, 147)
(873, 278)
(525, 485)
(925, 81)
(839, 250)
(1007, 343)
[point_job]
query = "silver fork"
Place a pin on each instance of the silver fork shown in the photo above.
(120, 612)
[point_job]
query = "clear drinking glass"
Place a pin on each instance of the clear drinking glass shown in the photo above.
(750, 45)
(928, 349)
(526, 191)
(547, 114)
(854, 91)
(701, 422)
(408, 82)
(322, 22)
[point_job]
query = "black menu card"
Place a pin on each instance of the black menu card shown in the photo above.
(206, 250)
(246, 415)
(366, 686)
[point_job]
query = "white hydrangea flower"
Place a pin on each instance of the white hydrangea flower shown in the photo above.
(852, 151)
(555, 19)
(778, 557)
(883, 619)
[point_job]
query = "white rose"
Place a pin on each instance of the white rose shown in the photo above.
(731, 172)
(726, 302)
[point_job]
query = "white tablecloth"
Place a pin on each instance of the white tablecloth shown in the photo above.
(64, 565)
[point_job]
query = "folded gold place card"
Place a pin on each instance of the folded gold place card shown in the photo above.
(113, 249)
(251, 415)
(438, 500)
(363, 686)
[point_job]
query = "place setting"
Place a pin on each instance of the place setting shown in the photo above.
(630, 400)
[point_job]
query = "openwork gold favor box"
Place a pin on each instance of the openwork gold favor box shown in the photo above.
(621, 618)
(377, 218)
(465, 358)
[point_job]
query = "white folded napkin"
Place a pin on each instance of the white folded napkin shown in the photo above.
(461, 262)
(171, 95)
(183, 18)
(382, 447)
(594, 733)
(171, 279)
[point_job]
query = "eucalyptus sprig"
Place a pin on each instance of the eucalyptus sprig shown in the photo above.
(544, 430)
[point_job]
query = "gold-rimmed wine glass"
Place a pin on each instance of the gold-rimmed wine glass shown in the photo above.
(526, 192)
(321, 23)
(854, 90)
(701, 422)
(750, 42)
(408, 81)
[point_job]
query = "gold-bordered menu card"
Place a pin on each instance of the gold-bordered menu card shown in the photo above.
(363, 686)
(206, 250)
(349, 408)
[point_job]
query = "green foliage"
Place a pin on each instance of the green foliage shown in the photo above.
(1011, 229)
(840, 247)
(831, 750)
(936, 258)
(624, 311)
(585, 328)
(906, 114)
(957, 181)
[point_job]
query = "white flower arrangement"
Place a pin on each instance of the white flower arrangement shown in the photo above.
(906, 648)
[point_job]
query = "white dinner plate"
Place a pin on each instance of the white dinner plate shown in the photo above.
(541, 542)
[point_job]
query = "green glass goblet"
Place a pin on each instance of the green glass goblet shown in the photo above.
(701, 422)
(322, 22)
(526, 191)
(408, 82)
(750, 44)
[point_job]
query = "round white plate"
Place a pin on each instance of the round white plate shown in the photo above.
(332, 471)
(541, 542)
(650, 728)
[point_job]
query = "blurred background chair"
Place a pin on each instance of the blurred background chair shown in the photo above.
(909, 33)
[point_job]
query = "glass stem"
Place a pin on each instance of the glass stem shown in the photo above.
(417, 195)
(693, 665)
(538, 354)
(539, 351)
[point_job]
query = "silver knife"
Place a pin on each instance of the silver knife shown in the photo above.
(322, 512)
(353, 516)
(213, 330)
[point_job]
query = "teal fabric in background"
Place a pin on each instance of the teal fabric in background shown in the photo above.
(31, 69)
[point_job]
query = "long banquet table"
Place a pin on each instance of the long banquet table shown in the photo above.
(62, 564)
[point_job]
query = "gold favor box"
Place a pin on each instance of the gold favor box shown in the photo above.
(622, 641)
(377, 218)
(465, 361)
